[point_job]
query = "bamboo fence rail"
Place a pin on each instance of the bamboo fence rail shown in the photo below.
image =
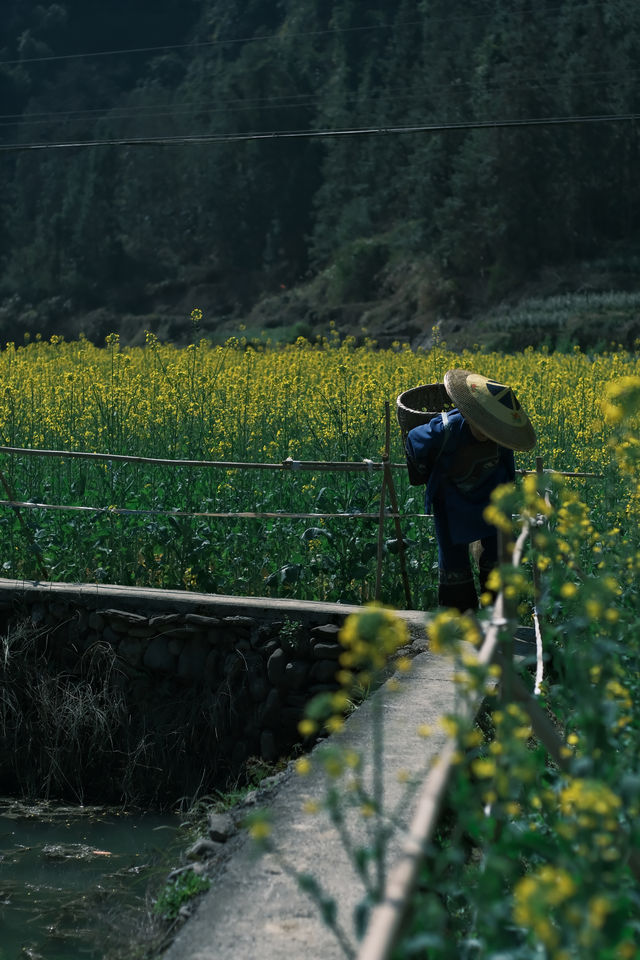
(314, 466)
(243, 514)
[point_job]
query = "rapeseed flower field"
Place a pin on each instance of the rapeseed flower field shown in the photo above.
(542, 858)
(252, 402)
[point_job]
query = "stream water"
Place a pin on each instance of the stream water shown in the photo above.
(73, 880)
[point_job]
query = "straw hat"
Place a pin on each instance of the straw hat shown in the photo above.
(491, 407)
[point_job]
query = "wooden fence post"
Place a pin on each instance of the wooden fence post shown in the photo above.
(388, 484)
(399, 536)
(383, 497)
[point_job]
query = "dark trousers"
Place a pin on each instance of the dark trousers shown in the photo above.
(456, 584)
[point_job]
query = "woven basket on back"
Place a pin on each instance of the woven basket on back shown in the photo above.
(419, 404)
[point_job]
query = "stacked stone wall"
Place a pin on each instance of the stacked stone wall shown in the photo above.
(236, 675)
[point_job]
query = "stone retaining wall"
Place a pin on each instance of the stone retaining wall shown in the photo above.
(230, 676)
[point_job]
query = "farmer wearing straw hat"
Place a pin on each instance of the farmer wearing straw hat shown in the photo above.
(462, 455)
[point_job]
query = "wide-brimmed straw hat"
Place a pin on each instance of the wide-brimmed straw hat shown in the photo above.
(491, 407)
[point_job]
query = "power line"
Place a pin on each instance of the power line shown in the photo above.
(289, 101)
(322, 134)
(249, 102)
(198, 44)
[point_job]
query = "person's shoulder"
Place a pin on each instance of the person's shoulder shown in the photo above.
(451, 423)
(453, 417)
(426, 431)
(438, 424)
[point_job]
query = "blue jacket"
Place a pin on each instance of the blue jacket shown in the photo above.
(434, 453)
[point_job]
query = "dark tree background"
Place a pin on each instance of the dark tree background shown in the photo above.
(129, 227)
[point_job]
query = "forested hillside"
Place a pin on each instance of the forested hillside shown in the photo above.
(453, 217)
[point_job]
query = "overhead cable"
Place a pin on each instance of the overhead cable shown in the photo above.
(283, 34)
(322, 134)
(296, 101)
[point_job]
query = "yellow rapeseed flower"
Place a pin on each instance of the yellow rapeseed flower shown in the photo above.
(303, 766)
(483, 768)
(307, 727)
(260, 830)
(334, 724)
(569, 589)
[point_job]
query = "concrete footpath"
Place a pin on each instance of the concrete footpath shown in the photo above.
(254, 908)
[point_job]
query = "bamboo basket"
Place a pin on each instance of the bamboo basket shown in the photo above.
(419, 404)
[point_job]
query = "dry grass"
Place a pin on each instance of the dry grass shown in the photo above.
(86, 732)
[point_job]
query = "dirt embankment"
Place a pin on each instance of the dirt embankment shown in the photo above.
(403, 301)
